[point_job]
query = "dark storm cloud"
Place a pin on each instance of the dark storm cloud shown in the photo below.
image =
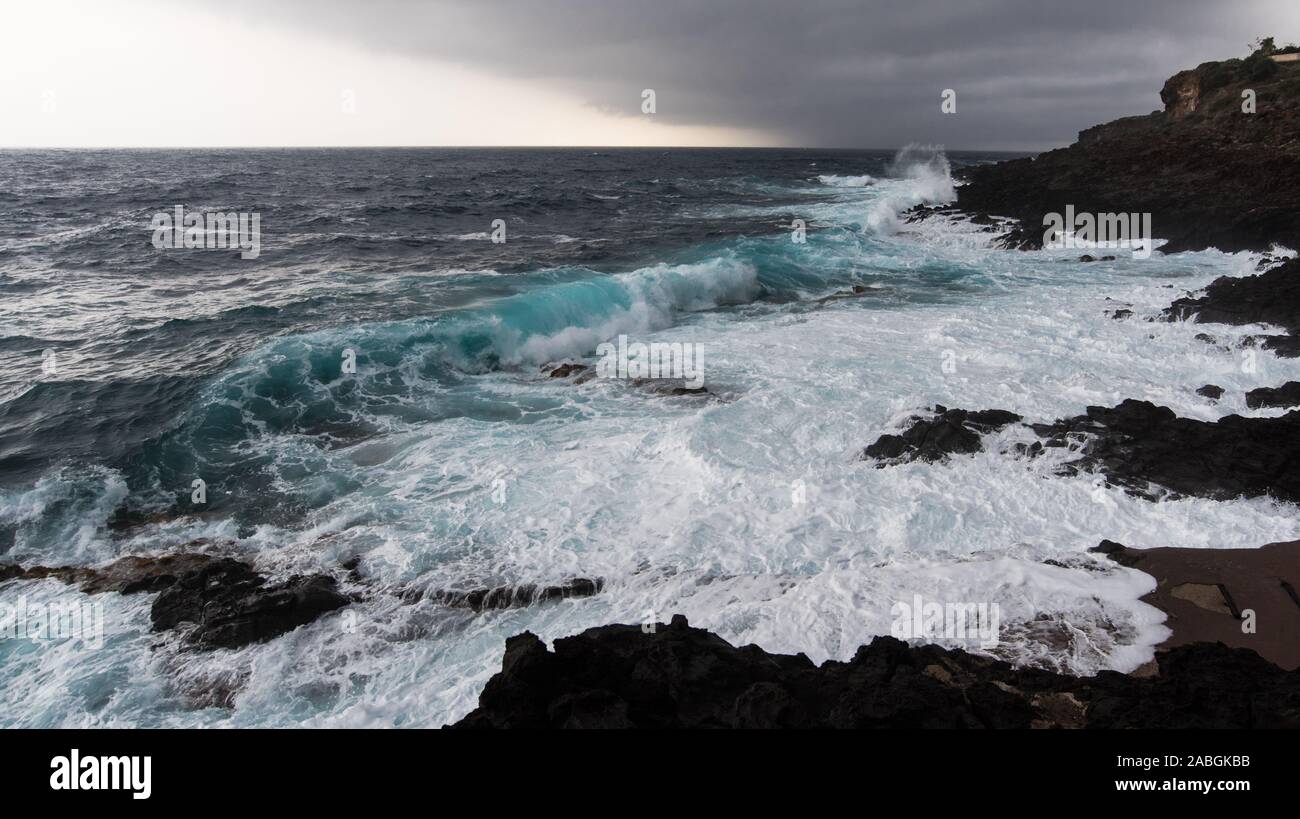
(1028, 73)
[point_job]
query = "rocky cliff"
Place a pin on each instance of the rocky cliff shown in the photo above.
(1210, 173)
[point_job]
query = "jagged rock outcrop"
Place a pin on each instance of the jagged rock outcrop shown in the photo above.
(1210, 174)
(222, 602)
(228, 605)
(1271, 297)
(950, 431)
(1287, 395)
(1144, 448)
(1138, 443)
(675, 676)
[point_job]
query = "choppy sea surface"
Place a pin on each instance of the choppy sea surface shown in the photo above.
(449, 460)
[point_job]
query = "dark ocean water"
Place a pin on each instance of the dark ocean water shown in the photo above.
(348, 237)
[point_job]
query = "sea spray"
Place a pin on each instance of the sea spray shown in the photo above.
(926, 180)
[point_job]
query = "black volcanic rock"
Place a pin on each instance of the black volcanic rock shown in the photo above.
(932, 439)
(1287, 395)
(1271, 297)
(1211, 391)
(1209, 174)
(1282, 346)
(1137, 443)
(623, 676)
(230, 605)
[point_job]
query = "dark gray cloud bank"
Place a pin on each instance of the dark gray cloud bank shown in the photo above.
(1028, 74)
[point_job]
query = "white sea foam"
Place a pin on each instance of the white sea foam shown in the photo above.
(60, 518)
(846, 181)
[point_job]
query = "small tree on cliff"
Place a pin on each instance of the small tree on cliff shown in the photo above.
(1258, 66)
(1264, 47)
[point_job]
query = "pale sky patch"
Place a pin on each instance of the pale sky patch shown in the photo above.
(140, 73)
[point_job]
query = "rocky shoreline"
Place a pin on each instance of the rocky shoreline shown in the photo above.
(675, 676)
(1212, 176)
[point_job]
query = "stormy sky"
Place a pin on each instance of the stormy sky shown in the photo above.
(1028, 74)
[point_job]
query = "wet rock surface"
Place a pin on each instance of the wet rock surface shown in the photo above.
(1144, 448)
(222, 602)
(1138, 443)
(624, 676)
(1271, 297)
(1212, 391)
(581, 373)
(1287, 395)
(127, 575)
(509, 597)
(950, 431)
(1281, 346)
(228, 605)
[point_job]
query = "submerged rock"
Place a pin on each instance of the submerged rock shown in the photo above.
(856, 291)
(508, 597)
(954, 431)
(1211, 391)
(672, 388)
(567, 370)
(675, 676)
